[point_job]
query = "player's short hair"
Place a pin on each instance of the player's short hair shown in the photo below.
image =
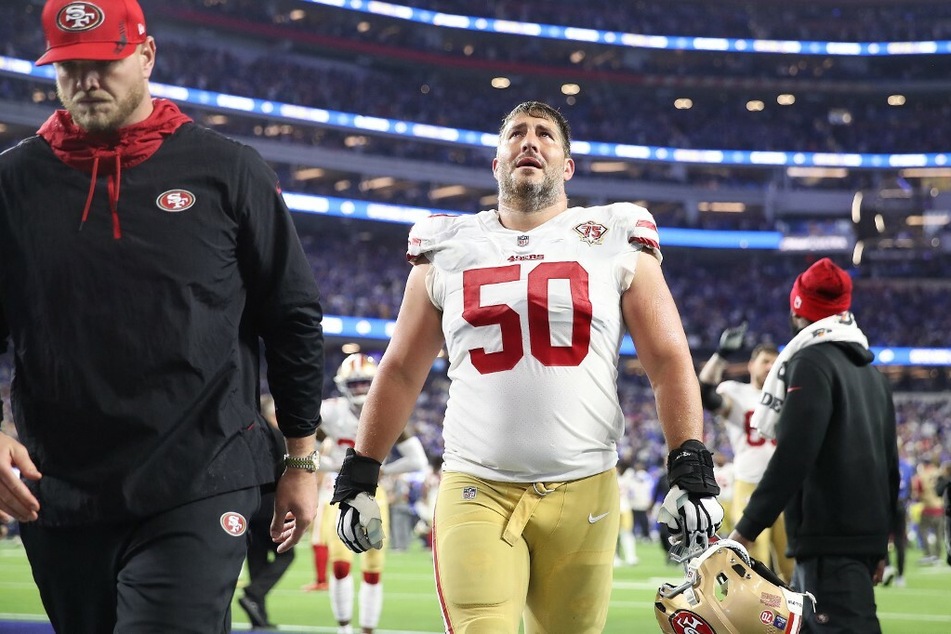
(544, 111)
(769, 348)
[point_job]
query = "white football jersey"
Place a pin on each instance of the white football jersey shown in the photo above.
(339, 422)
(751, 452)
(532, 324)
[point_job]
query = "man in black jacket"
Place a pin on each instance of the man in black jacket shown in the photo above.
(835, 469)
(143, 259)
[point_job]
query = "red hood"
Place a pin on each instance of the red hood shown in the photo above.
(128, 147)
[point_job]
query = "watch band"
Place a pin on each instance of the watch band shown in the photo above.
(307, 463)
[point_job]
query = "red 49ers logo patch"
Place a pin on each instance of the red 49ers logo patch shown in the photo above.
(234, 523)
(79, 16)
(175, 200)
(685, 622)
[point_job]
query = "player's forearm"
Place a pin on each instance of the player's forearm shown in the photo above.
(388, 408)
(677, 394)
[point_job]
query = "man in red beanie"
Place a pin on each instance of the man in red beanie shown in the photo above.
(143, 259)
(835, 468)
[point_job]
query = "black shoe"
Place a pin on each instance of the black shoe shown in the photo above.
(255, 612)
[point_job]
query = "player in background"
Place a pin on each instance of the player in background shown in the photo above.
(626, 546)
(943, 489)
(733, 403)
(906, 471)
(532, 301)
(340, 416)
(724, 473)
(642, 502)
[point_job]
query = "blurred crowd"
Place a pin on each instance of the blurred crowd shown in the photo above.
(626, 95)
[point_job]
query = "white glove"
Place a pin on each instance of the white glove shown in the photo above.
(359, 524)
(691, 521)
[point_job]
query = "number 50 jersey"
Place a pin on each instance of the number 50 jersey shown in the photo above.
(533, 324)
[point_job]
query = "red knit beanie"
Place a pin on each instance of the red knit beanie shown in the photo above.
(822, 290)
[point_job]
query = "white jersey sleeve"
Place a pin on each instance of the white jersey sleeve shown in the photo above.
(751, 452)
(532, 325)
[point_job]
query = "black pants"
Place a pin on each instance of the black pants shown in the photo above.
(265, 565)
(174, 572)
(845, 599)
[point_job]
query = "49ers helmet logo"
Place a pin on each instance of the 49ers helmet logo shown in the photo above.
(175, 200)
(79, 16)
(685, 622)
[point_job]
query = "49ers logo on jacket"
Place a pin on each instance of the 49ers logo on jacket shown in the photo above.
(175, 200)
(685, 622)
(79, 16)
(234, 523)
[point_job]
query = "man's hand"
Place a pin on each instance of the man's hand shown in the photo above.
(692, 519)
(744, 542)
(690, 509)
(359, 525)
(295, 505)
(16, 500)
(731, 341)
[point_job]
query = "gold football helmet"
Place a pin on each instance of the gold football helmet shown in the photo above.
(354, 376)
(725, 591)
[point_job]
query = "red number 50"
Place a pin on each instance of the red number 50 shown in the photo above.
(539, 324)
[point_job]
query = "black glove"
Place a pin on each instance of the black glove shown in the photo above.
(359, 525)
(731, 341)
(690, 509)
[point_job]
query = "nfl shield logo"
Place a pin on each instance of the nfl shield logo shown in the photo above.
(469, 493)
(522, 241)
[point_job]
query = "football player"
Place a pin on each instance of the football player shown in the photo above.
(338, 430)
(733, 403)
(532, 300)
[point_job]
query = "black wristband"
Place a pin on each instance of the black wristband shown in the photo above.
(358, 474)
(690, 467)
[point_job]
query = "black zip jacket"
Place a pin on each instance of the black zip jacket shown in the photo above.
(136, 356)
(835, 469)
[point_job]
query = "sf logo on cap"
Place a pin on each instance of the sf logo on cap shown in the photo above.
(79, 16)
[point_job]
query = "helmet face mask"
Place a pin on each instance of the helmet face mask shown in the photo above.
(354, 376)
(725, 591)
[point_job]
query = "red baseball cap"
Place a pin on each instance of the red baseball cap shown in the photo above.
(97, 30)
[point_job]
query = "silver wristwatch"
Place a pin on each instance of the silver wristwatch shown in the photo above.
(307, 463)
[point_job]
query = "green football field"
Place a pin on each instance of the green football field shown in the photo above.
(923, 606)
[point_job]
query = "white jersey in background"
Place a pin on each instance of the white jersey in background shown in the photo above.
(339, 423)
(532, 323)
(751, 452)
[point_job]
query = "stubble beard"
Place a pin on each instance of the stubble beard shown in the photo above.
(529, 196)
(99, 121)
